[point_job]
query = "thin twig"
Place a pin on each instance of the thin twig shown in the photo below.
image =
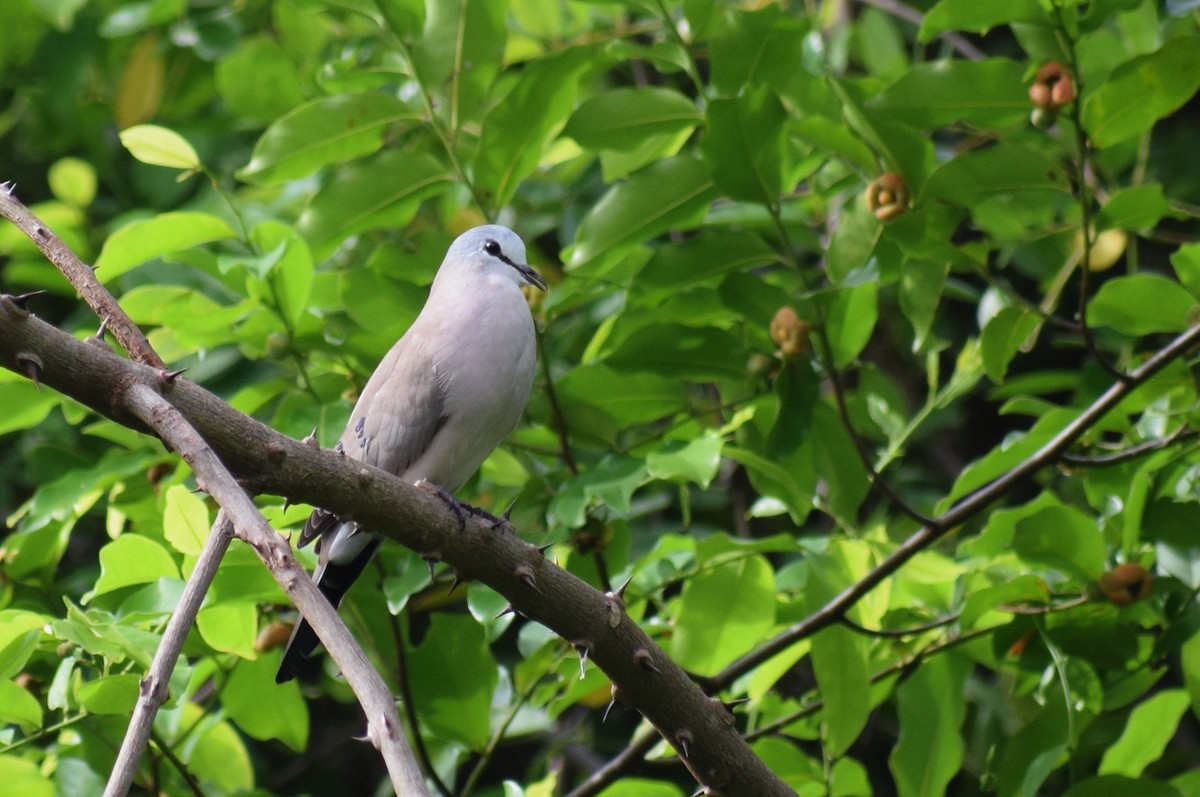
(633, 753)
(190, 779)
(859, 446)
(1082, 146)
(152, 691)
(1133, 452)
(384, 729)
(914, 16)
(960, 512)
(902, 632)
(82, 277)
(410, 707)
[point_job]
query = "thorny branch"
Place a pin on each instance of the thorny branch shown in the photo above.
(202, 428)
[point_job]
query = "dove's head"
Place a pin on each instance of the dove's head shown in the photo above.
(492, 250)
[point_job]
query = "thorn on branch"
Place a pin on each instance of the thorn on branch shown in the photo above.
(684, 739)
(22, 300)
(8, 187)
(167, 378)
(543, 548)
(454, 584)
(431, 558)
(508, 609)
(311, 439)
(524, 574)
(31, 366)
(643, 659)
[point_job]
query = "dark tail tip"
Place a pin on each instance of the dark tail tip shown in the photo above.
(299, 648)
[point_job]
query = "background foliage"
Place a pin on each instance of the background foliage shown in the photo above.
(681, 173)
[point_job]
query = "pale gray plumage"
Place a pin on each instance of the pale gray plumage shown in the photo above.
(445, 395)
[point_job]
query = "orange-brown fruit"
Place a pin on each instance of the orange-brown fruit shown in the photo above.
(887, 197)
(1053, 87)
(789, 332)
(1126, 584)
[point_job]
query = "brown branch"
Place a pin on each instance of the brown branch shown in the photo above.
(82, 276)
(960, 512)
(384, 729)
(266, 461)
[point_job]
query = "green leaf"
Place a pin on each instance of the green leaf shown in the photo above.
(600, 400)
(1140, 92)
(1004, 169)
(723, 613)
(1134, 208)
(681, 351)
(710, 253)
(263, 709)
(851, 321)
(110, 694)
(1026, 588)
(743, 145)
(696, 460)
(18, 706)
(839, 659)
(25, 406)
(19, 632)
(641, 787)
(1064, 538)
(1151, 726)
(517, 131)
(218, 755)
(73, 181)
(230, 627)
(1002, 338)
(931, 709)
(141, 241)
(384, 191)
(291, 272)
(159, 146)
(258, 81)
(1186, 261)
(610, 484)
(625, 118)
(406, 18)
(1118, 786)
(459, 54)
(977, 16)
(670, 194)
(185, 520)
(988, 93)
(753, 48)
(1029, 756)
(328, 130)
(921, 283)
(453, 676)
(22, 778)
(853, 243)
(1141, 304)
(133, 559)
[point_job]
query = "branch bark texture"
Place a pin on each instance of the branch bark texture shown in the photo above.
(701, 729)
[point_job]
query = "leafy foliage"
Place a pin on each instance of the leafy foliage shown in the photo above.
(268, 186)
